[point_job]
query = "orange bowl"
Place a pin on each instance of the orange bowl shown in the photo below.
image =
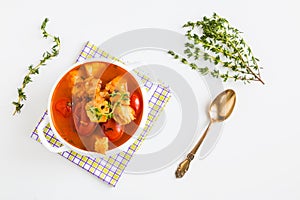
(96, 107)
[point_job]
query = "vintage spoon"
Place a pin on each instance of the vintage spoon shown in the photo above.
(219, 110)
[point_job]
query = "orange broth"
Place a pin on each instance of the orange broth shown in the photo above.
(65, 125)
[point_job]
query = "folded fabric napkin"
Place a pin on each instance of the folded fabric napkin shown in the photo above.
(110, 169)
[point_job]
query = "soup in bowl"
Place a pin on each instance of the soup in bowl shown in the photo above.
(96, 107)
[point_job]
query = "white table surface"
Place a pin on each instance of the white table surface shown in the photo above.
(257, 156)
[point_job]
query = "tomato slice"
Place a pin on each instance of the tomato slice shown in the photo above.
(63, 106)
(83, 125)
(112, 130)
(135, 103)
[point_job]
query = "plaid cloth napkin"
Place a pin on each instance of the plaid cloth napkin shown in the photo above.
(110, 169)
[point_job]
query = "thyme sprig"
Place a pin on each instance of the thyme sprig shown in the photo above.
(221, 44)
(33, 70)
(97, 112)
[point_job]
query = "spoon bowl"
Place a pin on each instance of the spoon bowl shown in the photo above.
(219, 110)
(222, 106)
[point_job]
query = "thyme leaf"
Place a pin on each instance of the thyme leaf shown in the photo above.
(214, 40)
(33, 70)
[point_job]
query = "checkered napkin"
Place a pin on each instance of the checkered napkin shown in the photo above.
(110, 169)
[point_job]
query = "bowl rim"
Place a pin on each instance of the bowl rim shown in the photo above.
(125, 145)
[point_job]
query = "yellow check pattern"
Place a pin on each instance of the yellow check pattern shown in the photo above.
(110, 169)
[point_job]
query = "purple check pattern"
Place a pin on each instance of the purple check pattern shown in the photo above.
(110, 169)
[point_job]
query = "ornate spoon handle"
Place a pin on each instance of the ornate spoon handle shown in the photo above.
(184, 165)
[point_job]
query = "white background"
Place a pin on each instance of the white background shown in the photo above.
(257, 156)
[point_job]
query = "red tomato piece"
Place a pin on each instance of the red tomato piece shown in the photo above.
(83, 125)
(63, 106)
(112, 130)
(135, 103)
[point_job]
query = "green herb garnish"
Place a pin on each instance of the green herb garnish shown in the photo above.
(32, 70)
(221, 44)
(96, 113)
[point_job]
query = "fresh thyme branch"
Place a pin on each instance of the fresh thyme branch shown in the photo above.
(216, 41)
(32, 70)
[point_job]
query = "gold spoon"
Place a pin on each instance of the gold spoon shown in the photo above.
(219, 110)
